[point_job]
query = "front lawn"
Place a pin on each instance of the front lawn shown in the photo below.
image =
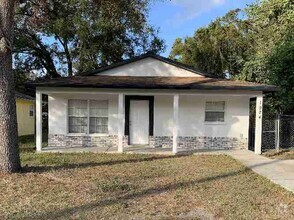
(121, 186)
(28, 143)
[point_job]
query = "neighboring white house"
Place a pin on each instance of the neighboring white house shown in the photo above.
(149, 101)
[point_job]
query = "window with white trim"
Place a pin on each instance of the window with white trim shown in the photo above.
(87, 116)
(77, 116)
(31, 111)
(215, 111)
(98, 117)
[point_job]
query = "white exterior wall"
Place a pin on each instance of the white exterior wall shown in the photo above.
(163, 115)
(149, 67)
(58, 111)
(191, 115)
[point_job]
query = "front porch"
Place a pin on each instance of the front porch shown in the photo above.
(176, 122)
(128, 150)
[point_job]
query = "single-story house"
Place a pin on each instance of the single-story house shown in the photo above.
(149, 101)
(25, 111)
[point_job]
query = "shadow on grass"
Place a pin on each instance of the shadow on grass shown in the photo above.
(41, 169)
(136, 195)
(66, 166)
(27, 143)
(27, 149)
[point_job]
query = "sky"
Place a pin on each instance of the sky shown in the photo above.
(181, 18)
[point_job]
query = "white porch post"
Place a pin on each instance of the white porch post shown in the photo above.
(176, 123)
(121, 123)
(38, 121)
(258, 125)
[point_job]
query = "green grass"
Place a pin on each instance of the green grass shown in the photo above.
(27, 143)
(124, 186)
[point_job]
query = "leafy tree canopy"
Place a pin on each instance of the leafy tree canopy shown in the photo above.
(254, 44)
(63, 37)
(217, 49)
(281, 73)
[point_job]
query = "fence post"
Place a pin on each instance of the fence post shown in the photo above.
(277, 133)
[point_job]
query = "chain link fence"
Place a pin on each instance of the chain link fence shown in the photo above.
(277, 129)
(286, 131)
(268, 133)
(278, 132)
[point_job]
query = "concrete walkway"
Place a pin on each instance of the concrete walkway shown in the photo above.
(278, 171)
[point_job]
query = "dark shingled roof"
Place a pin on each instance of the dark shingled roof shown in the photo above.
(22, 96)
(131, 82)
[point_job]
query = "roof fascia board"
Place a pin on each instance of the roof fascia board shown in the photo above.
(64, 90)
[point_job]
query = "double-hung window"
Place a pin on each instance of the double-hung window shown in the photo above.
(88, 116)
(77, 116)
(31, 111)
(98, 117)
(215, 111)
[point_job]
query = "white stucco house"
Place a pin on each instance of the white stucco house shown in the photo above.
(148, 101)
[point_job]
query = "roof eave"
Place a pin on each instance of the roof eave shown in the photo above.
(160, 87)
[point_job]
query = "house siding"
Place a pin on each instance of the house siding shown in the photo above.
(25, 122)
(194, 133)
(150, 67)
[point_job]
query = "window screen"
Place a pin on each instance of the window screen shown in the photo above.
(215, 111)
(98, 116)
(78, 116)
(31, 111)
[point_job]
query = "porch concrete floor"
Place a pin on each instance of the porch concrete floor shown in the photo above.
(131, 150)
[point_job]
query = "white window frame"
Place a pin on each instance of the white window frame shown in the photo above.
(88, 119)
(224, 111)
(31, 110)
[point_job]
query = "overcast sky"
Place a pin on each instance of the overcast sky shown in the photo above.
(180, 18)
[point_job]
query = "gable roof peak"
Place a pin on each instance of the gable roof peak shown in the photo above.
(149, 54)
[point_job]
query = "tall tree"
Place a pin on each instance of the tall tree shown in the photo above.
(269, 24)
(253, 48)
(81, 35)
(281, 73)
(9, 155)
(219, 48)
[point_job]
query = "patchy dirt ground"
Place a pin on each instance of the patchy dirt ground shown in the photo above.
(119, 186)
(282, 155)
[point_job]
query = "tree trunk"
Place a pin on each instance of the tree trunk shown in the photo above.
(9, 153)
(67, 55)
(45, 56)
(69, 61)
